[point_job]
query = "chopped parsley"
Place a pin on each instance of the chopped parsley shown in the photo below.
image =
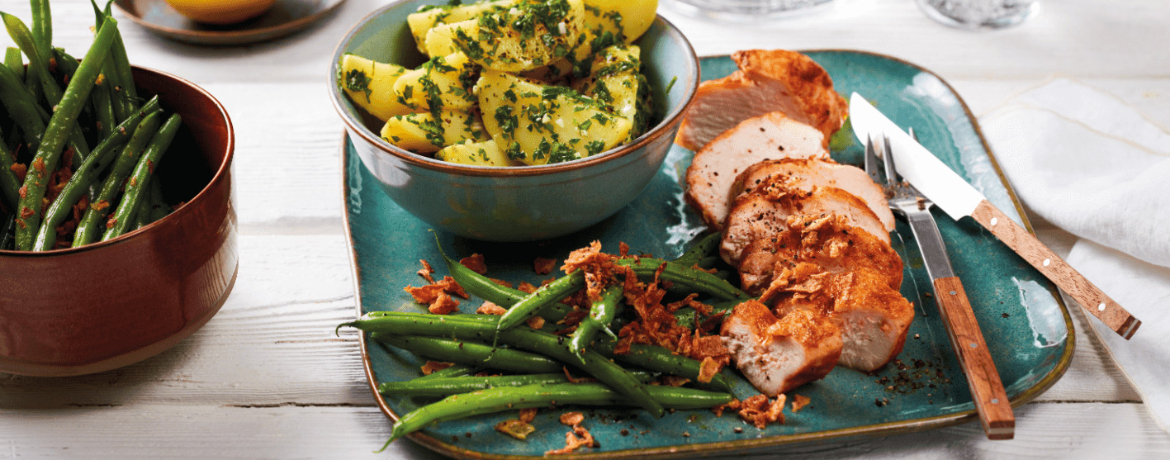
(358, 82)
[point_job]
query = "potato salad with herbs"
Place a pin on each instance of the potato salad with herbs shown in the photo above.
(513, 82)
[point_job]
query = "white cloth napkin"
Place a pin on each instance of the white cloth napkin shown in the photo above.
(1095, 167)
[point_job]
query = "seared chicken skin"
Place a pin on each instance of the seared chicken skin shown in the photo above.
(767, 81)
(779, 354)
(810, 173)
(715, 167)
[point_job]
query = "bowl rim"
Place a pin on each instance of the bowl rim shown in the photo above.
(220, 172)
(360, 130)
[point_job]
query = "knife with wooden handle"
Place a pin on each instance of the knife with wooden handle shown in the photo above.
(951, 193)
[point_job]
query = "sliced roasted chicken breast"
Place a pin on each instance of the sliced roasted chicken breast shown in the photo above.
(715, 167)
(828, 242)
(765, 211)
(806, 174)
(874, 318)
(779, 354)
(767, 81)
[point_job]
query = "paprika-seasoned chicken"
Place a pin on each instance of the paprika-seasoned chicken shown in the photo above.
(767, 81)
(809, 173)
(779, 354)
(829, 242)
(715, 167)
(764, 212)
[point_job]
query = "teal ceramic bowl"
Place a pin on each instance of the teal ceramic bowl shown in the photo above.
(523, 203)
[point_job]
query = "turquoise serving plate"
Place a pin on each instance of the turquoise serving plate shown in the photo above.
(1028, 329)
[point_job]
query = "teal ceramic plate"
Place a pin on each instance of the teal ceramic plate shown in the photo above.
(285, 17)
(1028, 329)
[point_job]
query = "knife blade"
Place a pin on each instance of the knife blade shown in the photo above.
(957, 198)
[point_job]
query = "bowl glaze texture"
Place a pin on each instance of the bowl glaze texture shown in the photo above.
(523, 203)
(109, 304)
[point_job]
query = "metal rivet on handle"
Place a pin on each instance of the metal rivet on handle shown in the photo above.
(1101, 307)
(994, 220)
(954, 293)
(1047, 262)
(973, 345)
(995, 401)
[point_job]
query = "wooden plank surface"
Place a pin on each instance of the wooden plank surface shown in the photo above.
(266, 378)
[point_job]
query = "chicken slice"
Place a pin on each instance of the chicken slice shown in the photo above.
(715, 167)
(874, 318)
(764, 213)
(806, 174)
(767, 81)
(778, 355)
(829, 242)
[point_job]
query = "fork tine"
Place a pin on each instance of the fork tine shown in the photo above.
(888, 161)
(872, 163)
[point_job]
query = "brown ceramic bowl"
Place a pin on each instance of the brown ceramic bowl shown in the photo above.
(106, 305)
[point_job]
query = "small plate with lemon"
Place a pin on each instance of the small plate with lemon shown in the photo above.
(226, 22)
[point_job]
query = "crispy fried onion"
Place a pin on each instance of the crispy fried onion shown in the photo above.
(576, 439)
(435, 295)
(759, 411)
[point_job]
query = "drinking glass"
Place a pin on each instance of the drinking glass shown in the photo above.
(749, 10)
(980, 14)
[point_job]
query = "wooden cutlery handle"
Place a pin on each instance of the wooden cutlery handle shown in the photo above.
(991, 401)
(1056, 269)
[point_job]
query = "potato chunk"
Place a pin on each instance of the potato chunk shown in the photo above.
(429, 17)
(625, 19)
(529, 35)
(442, 83)
(370, 85)
(422, 133)
(476, 154)
(538, 124)
(615, 82)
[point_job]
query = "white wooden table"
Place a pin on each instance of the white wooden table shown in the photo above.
(266, 378)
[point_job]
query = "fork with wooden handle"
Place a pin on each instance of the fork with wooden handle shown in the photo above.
(991, 401)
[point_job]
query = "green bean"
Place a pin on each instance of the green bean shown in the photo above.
(447, 386)
(14, 62)
(483, 287)
(42, 25)
(9, 184)
(471, 353)
(659, 359)
(120, 104)
(142, 176)
(64, 119)
(103, 107)
(523, 397)
(479, 285)
(697, 280)
(708, 262)
(122, 64)
(600, 316)
(22, 108)
(95, 218)
(86, 175)
(8, 233)
(159, 207)
(702, 248)
(483, 327)
(686, 316)
(453, 371)
(68, 65)
(548, 294)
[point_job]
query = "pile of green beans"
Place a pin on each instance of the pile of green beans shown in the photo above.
(535, 360)
(80, 135)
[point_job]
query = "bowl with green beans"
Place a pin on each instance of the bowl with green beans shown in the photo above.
(117, 230)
